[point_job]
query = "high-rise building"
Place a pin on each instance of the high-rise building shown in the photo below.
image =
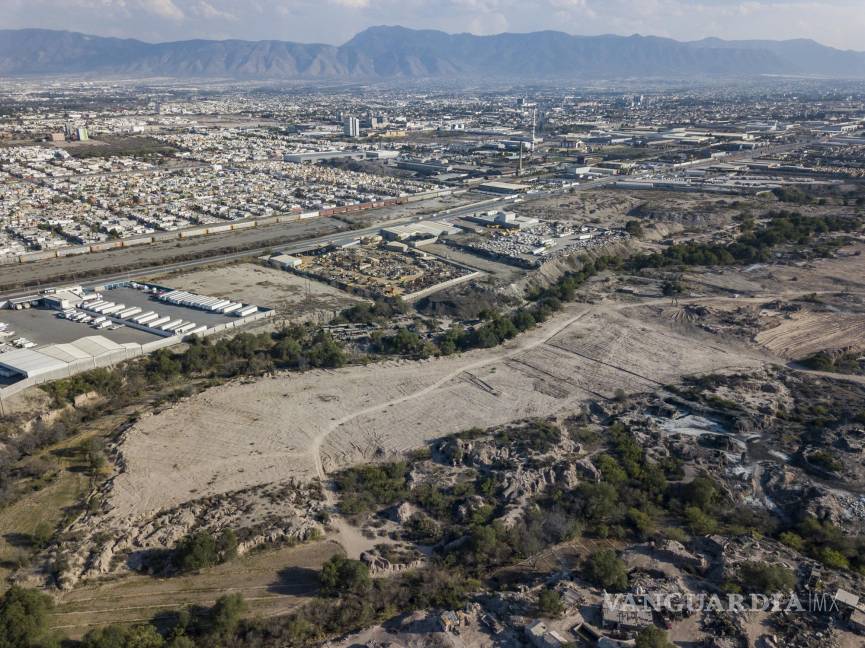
(351, 127)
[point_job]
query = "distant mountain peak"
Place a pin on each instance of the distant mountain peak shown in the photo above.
(392, 51)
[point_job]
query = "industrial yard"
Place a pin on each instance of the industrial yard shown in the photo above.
(44, 336)
(391, 270)
(292, 297)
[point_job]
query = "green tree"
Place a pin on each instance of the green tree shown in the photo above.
(653, 637)
(115, 636)
(341, 575)
(605, 569)
(226, 545)
(699, 522)
(765, 579)
(701, 492)
(95, 456)
(196, 551)
(550, 603)
(42, 534)
(24, 619)
(226, 613)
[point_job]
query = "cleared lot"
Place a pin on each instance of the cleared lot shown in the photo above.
(299, 426)
(292, 296)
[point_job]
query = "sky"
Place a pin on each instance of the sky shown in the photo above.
(840, 23)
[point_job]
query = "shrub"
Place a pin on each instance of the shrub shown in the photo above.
(550, 604)
(605, 569)
(341, 575)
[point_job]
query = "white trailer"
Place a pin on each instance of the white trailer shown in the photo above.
(138, 318)
(246, 311)
(159, 321)
(114, 309)
(170, 326)
(183, 329)
(231, 308)
(129, 312)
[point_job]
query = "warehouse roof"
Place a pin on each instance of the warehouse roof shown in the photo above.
(97, 345)
(504, 186)
(29, 363)
(65, 352)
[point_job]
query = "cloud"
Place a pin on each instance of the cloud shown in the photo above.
(163, 9)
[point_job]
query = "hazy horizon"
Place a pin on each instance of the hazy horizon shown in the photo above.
(837, 23)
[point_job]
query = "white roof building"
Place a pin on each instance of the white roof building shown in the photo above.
(28, 363)
(31, 363)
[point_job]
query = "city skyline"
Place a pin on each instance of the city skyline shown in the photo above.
(838, 23)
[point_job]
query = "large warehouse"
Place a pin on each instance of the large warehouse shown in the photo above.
(85, 353)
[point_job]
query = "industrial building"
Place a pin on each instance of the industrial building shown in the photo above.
(506, 188)
(428, 230)
(79, 355)
(503, 219)
(285, 261)
(324, 156)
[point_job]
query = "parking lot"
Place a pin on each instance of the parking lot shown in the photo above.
(147, 302)
(42, 326)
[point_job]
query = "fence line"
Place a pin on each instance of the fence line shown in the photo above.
(128, 352)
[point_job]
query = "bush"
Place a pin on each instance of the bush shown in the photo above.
(605, 569)
(653, 637)
(341, 575)
(765, 579)
(225, 615)
(366, 488)
(113, 636)
(201, 549)
(549, 604)
(24, 619)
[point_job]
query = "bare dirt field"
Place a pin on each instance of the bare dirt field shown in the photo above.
(293, 297)
(805, 333)
(303, 425)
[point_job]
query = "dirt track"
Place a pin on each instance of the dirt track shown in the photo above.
(305, 425)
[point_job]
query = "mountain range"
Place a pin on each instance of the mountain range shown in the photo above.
(398, 53)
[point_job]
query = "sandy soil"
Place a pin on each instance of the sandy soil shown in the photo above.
(805, 333)
(305, 425)
(294, 297)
